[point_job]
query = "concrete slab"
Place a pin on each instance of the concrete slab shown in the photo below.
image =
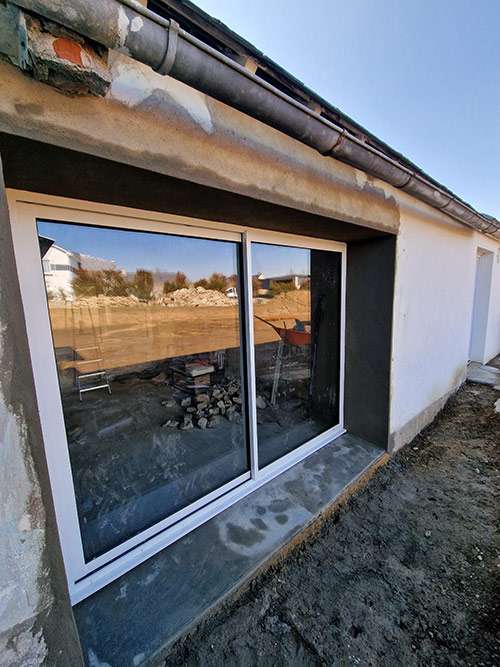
(134, 617)
(495, 362)
(483, 374)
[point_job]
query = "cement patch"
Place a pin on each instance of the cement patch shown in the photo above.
(481, 374)
(406, 434)
(149, 607)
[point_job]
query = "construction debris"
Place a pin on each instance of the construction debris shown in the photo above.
(205, 409)
(196, 296)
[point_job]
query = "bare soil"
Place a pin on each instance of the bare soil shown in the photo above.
(406, 571)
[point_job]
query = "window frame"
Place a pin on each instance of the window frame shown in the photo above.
(25, 209)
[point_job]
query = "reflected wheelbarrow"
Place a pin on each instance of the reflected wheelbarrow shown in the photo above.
(295, 336)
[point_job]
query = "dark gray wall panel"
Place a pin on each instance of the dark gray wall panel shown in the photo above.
(370, 293)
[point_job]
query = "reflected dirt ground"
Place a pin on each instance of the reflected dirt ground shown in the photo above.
(133, 462)
(148, 333)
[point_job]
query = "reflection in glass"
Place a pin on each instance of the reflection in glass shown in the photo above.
(146, 332)
(297, 343)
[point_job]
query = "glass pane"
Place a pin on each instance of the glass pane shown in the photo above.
(297, 345)
(146, 332)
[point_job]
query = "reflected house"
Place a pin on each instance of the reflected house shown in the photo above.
(212, 429)
(295, 279)
(59, 267)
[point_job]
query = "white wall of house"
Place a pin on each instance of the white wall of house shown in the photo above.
(433, 305)
(58, 265)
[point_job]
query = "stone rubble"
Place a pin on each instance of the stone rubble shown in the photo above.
(196, 296)
(102, 301)
(187, 423)
(159, 379)
(206, 409)
(171, 423)
(185, 297)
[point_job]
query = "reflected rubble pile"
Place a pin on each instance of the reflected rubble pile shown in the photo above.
(184, 297)
(196, 296)
(206, 409)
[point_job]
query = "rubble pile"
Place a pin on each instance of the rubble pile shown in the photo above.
(206, 410)
(187, 296)
(102, 301)
(196, 296)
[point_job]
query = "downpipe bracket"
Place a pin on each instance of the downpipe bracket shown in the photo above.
(331, 151)
(166, 64)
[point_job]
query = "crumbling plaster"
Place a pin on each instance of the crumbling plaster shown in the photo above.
(21, 544)
(36, 623)
(160, 124)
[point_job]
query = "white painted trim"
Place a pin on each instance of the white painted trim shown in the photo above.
(343, 291)
(130, 217)
(45, 377)
(26, 207)
(167, 226)
(294, 240)
(250, 355)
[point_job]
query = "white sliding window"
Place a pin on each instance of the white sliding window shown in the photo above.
(178, 365)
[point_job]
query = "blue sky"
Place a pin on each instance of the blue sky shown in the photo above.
(423, 76)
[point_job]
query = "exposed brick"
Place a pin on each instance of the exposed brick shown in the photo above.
(65, 60)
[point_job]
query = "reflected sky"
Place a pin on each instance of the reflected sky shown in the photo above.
(274, 260)
(193, 256)
(132, 250)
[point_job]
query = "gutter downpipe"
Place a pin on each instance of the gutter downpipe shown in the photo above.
(130, 28)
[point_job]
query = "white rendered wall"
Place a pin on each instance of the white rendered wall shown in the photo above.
(434, 287)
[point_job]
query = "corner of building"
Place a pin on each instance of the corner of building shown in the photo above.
(36, 621)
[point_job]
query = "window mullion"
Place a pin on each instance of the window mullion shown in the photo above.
(250, 356)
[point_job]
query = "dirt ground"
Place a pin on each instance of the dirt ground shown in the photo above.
(405, 572)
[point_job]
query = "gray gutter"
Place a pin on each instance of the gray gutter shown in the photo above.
(132, 29)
